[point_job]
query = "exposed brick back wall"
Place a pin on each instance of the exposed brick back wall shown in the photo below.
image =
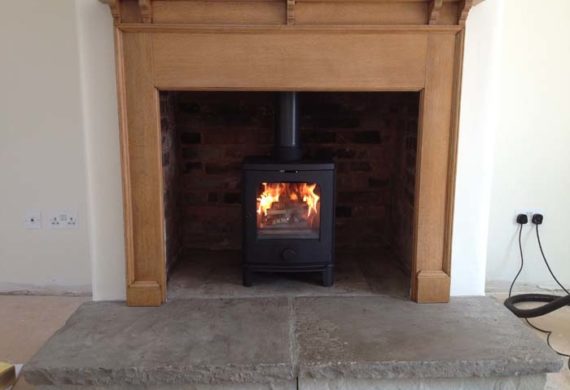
(403, 189)
(217, 131)
(371, 136)
(171, 165)
(363, 133)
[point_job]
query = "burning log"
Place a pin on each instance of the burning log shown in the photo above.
(291, 214)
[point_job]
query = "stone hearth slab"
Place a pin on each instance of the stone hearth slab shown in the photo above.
(379, 338)
(210, 341)
(356, 342)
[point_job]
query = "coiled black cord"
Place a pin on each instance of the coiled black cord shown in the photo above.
(553, 302)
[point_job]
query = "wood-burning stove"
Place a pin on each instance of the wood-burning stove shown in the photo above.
(288, 206)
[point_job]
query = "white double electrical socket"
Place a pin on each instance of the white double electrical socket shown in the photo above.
(62, 219)
(33, 219)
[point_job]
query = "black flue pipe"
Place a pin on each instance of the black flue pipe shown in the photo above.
(287, 136)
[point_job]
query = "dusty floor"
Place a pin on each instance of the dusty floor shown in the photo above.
(28, 321)
(211, 274)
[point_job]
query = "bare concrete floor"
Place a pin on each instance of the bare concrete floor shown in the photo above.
(27, 321)
(210, 274)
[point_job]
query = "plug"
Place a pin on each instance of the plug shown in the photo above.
(522, 219)
(537, 219)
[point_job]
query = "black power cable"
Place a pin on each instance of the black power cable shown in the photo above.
(546, 261)
(522, 260)
(548, 333)
(553, 302)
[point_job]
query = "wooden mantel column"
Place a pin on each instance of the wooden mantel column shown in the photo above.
(288, 45)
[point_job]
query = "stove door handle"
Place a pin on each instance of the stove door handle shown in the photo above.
(288, 254)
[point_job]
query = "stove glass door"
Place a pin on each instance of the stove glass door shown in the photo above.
(288, 210)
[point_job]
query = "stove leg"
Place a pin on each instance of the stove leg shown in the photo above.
(247, 278)
(328, 277)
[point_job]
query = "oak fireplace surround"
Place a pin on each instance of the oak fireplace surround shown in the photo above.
(288, 45)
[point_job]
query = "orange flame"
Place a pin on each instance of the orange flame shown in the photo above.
(310, 198)
(271, 194)
(292, 192)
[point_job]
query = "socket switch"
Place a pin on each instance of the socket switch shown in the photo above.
(62, 219)
(33, 219)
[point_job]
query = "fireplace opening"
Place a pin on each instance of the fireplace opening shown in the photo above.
(370, 137)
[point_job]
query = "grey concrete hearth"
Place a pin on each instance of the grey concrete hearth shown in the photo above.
(286, 343)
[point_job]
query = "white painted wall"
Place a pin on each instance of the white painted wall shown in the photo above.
(101, 125)
(42, 161)
(532, 162)
(478, 123)
(59, 144)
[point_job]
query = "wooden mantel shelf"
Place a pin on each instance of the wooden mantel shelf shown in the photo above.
(322, 13)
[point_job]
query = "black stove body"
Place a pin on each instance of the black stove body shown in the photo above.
(288, 206)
